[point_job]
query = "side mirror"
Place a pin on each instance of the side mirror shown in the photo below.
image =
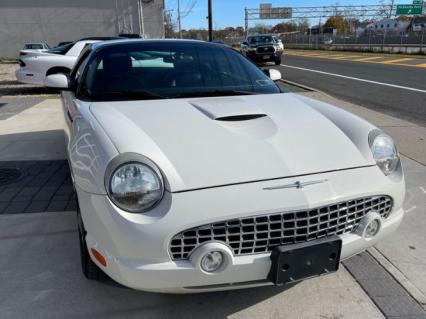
(275, 75)
(57, 81)
(245, 43)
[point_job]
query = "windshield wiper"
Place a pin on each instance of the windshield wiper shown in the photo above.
(215, 93)
(146, 95)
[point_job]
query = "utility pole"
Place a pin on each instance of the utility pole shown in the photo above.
(210, 17)
(391, 9)
(179, 26)
(246, 21)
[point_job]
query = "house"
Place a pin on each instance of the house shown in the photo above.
(419, 24)
(388, 26)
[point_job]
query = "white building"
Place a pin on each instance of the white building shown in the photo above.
(54, 21)
(388, 26)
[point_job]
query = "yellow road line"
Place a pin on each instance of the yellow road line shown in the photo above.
(397, 60)
(368, 59)
(350, 57)
(354, 58)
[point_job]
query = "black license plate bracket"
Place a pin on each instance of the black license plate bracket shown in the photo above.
(297, 262)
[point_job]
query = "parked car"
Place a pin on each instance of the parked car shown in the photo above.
(194, 172)
(36, 66)
(33, 47)
(261, 49)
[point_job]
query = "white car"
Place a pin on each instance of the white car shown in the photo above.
(35, 66)
(279, 43)
(194, 172)
(33, 48)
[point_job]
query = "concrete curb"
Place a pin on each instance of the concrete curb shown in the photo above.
(304, 87)
(398, 276)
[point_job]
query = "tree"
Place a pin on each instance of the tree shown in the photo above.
(169, 25)
(385, 8)
(337, 22)
(284, 27)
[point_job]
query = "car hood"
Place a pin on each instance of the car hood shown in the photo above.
(209, 142)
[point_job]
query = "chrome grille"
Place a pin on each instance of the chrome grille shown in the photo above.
(260, 234)
(267, 49)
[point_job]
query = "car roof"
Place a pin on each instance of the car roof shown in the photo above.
(119, 42)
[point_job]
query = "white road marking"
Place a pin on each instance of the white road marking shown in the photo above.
(410, 209)
(356, 79)
(422, 189)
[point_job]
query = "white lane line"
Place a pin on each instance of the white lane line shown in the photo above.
(410, 209)
(356, 79)
(422, 189)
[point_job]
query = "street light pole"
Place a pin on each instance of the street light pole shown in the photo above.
(179, 26)
(210, 17)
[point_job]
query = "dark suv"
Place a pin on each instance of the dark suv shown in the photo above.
(262, 48)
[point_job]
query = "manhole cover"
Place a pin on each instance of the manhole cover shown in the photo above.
(8, 175)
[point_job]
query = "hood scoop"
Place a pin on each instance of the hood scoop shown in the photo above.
(237, 118)
(228, 109)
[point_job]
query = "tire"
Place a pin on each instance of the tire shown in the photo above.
(278, 60)
(90, 270)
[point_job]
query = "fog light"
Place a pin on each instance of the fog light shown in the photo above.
(212, 261)
(373, 228)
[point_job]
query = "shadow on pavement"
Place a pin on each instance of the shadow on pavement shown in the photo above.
(40, 274)
(10, 87)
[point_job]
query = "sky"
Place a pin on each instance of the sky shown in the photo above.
(231, 12)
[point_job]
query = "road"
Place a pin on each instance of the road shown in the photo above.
(393, 85)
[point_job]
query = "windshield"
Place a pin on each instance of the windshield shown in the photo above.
(171, 70)
(33, 46)
(63, 49)
(260, 39)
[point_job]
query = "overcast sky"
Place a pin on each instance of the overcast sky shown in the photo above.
(231, 12)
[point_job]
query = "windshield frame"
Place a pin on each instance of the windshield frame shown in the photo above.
(81, 93)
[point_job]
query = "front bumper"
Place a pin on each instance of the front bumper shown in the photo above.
(136, 245)
(263, 57)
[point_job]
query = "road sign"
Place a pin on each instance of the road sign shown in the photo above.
(409, 9)
(418, 2)
(268, 12)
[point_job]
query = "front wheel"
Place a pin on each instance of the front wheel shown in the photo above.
(278, 60)
(90, 270)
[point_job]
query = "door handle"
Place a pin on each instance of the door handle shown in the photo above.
(69, 116)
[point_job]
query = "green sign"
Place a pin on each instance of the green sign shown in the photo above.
(418, 2)
(409, 9)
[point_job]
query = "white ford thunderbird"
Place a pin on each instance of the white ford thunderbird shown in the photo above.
(194, 172)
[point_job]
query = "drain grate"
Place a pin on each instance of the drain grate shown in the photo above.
(8, 175)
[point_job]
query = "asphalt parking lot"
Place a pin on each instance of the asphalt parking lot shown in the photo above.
(39, 264)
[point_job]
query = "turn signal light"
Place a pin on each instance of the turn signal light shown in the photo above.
(99, 257)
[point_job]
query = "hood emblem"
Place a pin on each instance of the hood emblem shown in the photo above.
(297, 184)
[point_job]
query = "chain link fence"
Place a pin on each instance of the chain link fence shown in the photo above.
(414, 42)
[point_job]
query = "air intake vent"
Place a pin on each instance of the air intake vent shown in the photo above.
(235, 118)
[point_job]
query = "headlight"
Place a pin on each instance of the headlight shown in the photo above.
(384, 152)
(135, 187)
